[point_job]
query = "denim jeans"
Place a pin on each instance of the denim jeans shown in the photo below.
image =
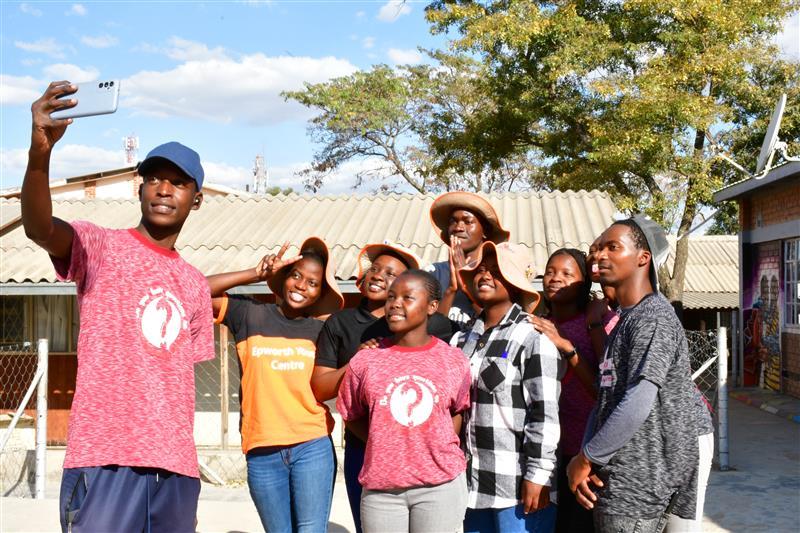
(292, 486)
(354, 450)
(610, 523)
(510, 520)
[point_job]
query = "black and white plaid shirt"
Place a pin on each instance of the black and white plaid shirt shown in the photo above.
(511, 430)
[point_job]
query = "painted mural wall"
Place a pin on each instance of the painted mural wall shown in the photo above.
(762, 335)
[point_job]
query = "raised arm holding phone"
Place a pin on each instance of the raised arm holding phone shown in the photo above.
(145, 319)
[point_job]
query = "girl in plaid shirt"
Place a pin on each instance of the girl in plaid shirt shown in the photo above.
(512, 429)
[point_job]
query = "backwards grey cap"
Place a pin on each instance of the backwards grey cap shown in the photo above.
(657, 242)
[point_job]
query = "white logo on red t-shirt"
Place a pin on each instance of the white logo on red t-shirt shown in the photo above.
(410, 399)
(162, 317)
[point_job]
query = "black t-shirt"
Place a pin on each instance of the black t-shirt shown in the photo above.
(346, 330)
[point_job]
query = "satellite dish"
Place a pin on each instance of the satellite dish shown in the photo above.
(771, 138)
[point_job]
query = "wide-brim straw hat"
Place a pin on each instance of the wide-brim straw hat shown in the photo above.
(516, 267)
(444, 205)
(331, 298)
(370, 252)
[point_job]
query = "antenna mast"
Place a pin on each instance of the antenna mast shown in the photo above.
(260, 176)
(131, 146)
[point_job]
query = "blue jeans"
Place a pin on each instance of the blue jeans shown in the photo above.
(510, 520)
(354, 450)
(292, 486)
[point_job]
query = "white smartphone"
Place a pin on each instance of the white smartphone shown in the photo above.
(94, 98)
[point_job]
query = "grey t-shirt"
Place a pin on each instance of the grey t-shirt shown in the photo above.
(660, 461)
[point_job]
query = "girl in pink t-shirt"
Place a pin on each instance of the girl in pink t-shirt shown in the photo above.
(409, 394)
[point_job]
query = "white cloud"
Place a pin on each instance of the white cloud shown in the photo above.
(404, 57)
(72, 73)
(67, 160)
(47, 46)
(99, 41)
(789, 39)
(225, 174)
(77, 9)
(360, 15)
(30, 62)
(19, 89)
(368, 42)
(184, 50)
(30, 10)
(223, 89)
(393, 10)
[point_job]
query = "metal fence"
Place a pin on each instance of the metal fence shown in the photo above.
(708, 357)
(702, 357)
(18, 417)
(216, 428)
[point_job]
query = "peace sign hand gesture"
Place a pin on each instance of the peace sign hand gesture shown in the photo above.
(271, 263)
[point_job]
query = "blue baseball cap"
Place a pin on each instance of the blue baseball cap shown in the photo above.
(179, 155)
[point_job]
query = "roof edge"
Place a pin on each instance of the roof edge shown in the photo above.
(735, 190)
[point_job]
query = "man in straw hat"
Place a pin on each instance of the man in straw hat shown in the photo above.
(512, 428)
(464, 220)
(645, 436)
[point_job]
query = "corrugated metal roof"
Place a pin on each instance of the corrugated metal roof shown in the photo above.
(711, 300)
(230, 233)
(233, 233)
(713, 263)
(9, 212)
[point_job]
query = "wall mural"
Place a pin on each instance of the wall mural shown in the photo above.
(762, 333)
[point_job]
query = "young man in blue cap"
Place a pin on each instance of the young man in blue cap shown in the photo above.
(130, 463)
(648, 434)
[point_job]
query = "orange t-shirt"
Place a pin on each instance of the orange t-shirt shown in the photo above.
(276, 357)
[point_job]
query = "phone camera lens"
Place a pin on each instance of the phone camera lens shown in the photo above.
(100, 85)
(111, 84)
(105, 84)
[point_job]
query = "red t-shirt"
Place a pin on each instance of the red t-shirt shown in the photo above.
(411, 395)
(145, 319)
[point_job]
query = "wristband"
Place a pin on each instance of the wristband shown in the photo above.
(570, 354)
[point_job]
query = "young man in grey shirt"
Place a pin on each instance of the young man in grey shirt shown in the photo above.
(642, 446)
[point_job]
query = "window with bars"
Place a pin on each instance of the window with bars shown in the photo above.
(791, 276)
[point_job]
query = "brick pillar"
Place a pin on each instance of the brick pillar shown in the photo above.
(137, 180)
(90, 189)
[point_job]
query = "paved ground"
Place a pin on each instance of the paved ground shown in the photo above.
(760, 493)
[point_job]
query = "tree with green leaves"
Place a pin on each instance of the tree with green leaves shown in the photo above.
(401, 121)
(633, 97)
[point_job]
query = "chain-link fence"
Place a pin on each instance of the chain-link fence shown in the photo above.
(704, 357)
(18, 457)
(702, 353)
(216, 428)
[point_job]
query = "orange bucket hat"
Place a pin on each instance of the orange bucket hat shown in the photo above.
(516, 267)
(370, 252)
(331, 298)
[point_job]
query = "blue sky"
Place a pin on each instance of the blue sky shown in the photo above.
(207, 74)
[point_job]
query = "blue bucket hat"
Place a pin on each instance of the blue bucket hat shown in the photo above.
(179, 155)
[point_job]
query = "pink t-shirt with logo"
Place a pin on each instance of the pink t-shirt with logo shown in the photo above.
(411, 395)
(145, 319)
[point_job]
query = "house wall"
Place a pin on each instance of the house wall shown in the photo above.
(771, 350)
